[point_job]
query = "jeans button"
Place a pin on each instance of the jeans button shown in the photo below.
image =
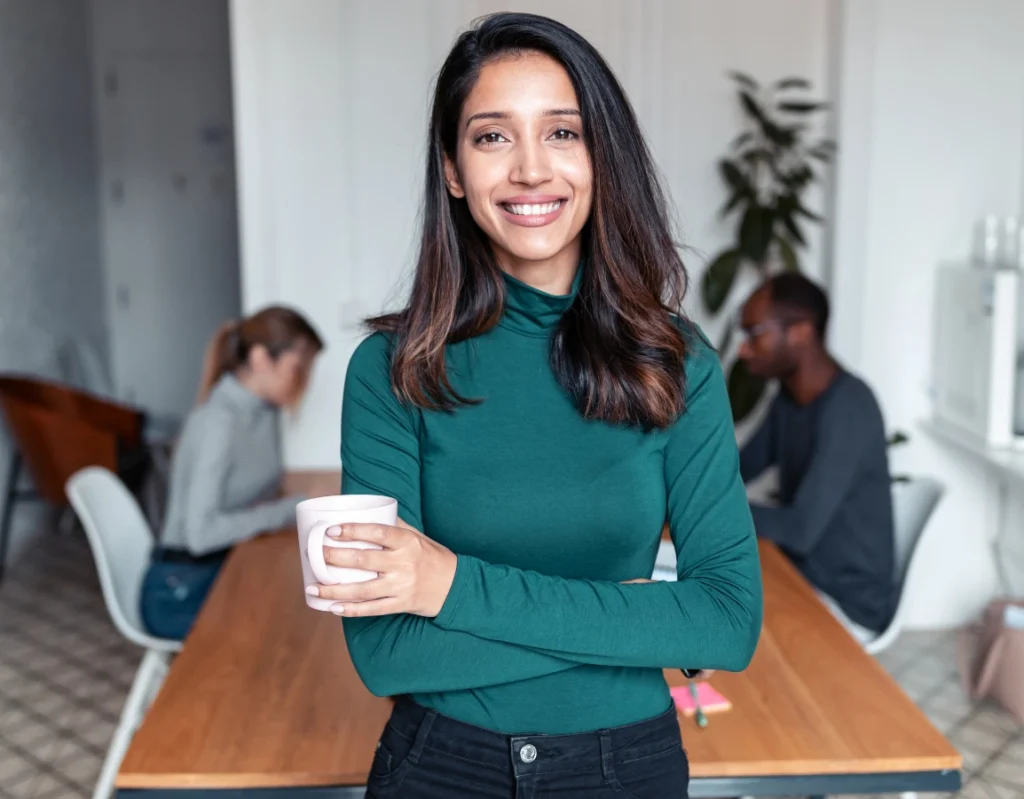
(528, 753)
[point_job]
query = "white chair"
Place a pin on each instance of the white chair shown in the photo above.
(912, 504)
(121, 544)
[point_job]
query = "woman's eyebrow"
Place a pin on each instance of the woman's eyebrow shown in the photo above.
(554, 112)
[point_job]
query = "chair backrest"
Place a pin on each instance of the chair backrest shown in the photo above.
(121, 543)
(125, 422)
(912, 504)
(55, 445)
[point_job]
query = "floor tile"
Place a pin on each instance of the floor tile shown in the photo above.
(13, 768)
(64, 674)
(1007, 768)
(993, 717)
(982, 789)
(48, 787)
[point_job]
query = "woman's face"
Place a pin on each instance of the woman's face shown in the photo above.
(521, 162)
(282, 381)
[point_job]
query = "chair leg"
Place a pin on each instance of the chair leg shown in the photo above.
(67, 522)
(14, 472)
(148, 678)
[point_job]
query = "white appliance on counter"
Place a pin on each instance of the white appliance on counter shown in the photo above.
(978, 357)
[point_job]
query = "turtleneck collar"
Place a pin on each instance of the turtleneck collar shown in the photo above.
(230, 389)
(534, 312)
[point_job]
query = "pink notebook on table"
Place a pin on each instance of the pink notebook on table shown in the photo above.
(710, 700)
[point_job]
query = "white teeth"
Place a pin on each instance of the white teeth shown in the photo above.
(534, 210)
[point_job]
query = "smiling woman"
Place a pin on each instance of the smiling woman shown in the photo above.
(517, 126)
(539, 409)
(526, 165)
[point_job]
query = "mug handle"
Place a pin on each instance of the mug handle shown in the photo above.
(315, 553)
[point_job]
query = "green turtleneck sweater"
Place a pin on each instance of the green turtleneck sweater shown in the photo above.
(549, 513)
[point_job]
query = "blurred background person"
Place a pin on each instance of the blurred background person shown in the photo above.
(226, 473)
(824, 432)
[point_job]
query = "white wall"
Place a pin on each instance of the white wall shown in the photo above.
(330, 109)
(162, 88)
(932, 136)
(50, 277)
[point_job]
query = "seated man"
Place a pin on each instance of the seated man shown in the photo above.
(824, 432)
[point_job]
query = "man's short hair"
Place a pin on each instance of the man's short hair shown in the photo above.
(794, 296)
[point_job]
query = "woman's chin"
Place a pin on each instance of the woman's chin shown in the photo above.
(536, 251)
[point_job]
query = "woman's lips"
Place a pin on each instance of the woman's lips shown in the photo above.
(532, 211)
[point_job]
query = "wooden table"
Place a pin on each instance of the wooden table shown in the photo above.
(264, 696)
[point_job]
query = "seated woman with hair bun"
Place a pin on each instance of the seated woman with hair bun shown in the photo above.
(226, 473)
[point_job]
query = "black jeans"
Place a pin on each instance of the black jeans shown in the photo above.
(424, 755)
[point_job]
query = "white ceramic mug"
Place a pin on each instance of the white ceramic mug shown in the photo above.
(315, 516)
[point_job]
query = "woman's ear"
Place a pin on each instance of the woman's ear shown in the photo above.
(259, 358)
(451, 179)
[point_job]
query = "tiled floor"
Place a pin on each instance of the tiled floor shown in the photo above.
(64, 672)
(990, 740)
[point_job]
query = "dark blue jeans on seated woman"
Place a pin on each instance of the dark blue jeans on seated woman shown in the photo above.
(174, 589)
(424, 755)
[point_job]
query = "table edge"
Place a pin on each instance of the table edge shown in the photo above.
(762, 769)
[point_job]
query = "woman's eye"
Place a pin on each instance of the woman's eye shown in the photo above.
(490, 138)
(564, 134)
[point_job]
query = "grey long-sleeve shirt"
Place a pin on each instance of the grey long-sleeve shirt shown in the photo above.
(835, 517)
(226, 473)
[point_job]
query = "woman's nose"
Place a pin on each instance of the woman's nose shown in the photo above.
(532, 164)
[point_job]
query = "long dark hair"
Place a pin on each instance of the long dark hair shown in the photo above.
(617, 350)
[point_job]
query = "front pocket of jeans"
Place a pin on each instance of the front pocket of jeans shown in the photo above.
(663, 775)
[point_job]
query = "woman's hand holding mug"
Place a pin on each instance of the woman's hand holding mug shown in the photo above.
(414, 573)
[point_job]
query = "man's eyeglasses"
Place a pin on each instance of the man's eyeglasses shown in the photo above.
(754, 331)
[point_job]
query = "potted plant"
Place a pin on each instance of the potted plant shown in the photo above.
(769, 168)
(898, 439)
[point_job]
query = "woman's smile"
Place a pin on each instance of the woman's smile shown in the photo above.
(533, 211)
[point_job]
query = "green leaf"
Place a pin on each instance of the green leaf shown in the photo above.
(733, 176)
(745, 390)
(745, 80)
(897, 438)
(750, 105)
(779, 136)
(726, 342)
(798, 107)
(798, 179)
(758, 154)
(794, 230)
(718, 278)
(808, 213)
(790, 262)
(756, 232)
(736, 198)
(793, 83)
(742, 139)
